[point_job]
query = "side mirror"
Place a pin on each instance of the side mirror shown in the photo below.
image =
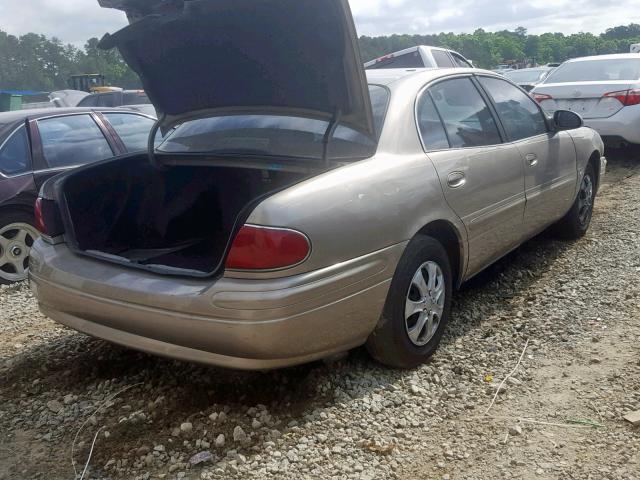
(567, 120)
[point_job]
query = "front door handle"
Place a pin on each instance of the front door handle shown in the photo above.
(456, 180)
(532, 158)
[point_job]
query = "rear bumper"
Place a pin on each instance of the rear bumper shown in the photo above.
(625, 124)
(235, 323)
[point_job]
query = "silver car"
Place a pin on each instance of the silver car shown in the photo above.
(301, 208)
(604, 90)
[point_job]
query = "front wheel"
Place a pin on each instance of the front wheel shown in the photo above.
(417, 307)
(575, 224)
(17, 235)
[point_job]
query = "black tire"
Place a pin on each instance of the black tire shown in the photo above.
(6, 219)
(390, 343)
(576, 222)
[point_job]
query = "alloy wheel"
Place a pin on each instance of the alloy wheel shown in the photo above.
(585, 200)
(425, 302)
(16, 240)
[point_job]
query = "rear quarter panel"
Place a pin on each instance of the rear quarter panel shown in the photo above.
(360, 208)
(586, 141)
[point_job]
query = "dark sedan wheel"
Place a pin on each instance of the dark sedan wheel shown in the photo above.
(576, 223)
(17, 235)
(417, 308)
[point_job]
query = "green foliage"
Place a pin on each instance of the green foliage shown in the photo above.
(488, 49)
(34, 62)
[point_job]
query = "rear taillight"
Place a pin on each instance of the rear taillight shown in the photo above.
(625, 97)
(541, 97)
(47, 217)
(265, 248)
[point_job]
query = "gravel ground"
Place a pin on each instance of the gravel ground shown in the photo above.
(559, 417)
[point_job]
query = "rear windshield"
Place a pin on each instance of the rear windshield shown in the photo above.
(275, 135)
(407, 60)
(520, 76)
(135, 98)
(597, 71)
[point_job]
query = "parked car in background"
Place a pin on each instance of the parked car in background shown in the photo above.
(528, 78)
(115, 99)
(604, 90)
(422, 56)
(311, 211)
(38, 144)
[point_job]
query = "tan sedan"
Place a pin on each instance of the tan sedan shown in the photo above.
(299, 208)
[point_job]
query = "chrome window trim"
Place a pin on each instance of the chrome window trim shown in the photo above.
(28, 171)
(417, 103)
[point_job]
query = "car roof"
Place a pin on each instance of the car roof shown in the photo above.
(532, 69)
(614, 56)
(393, 76)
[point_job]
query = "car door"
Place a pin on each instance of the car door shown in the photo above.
(549, 158)
(482, 178)
(63, 142)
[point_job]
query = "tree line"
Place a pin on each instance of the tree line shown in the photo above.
(35, 62)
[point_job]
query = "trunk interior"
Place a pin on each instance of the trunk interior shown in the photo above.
(176, 220)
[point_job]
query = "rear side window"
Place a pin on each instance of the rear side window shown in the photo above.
(466, 117)
(597, 71)
(408, 60)
(107, 100)
(135, 98)
(431, 129)
(73, 140)
(89, 101)
(133, 130)
(15, 156)
(520, 116)
(443, 60)
(460, 61)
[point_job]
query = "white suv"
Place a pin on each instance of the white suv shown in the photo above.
(422, 56)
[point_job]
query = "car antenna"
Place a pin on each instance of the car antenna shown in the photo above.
(328, 135)
(151, 143)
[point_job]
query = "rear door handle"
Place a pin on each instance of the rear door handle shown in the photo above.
(532, 158)
(456, 180)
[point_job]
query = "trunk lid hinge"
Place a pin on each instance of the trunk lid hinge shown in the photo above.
(328, 135)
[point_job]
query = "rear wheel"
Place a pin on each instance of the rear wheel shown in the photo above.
(417, 308)
(17, 235)
(576, 223)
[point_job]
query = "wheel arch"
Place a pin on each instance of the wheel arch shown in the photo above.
(452, 241)
(594, 160)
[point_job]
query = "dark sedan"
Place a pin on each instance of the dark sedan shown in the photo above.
(37, 144)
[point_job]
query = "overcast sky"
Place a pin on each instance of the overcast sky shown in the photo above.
(75, 21)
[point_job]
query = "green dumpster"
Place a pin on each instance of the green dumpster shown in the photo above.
(10, 102)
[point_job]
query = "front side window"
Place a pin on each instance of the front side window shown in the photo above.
(467, 118)
(431, 129)
(596, 71)
(15, 156)
(520, 115)
(442, 58)
(133, 130)
(72, 140)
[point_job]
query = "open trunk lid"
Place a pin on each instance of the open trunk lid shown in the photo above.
(204, 58)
